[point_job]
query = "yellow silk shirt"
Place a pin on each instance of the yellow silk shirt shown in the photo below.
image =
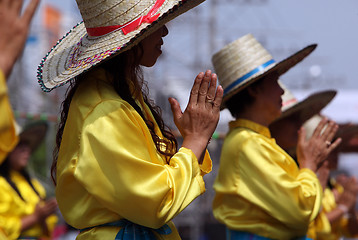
(259, 188)
(108, 166)
(321, 229)
(8, 137)
(13, 208)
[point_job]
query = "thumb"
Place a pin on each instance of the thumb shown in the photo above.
(176, 110)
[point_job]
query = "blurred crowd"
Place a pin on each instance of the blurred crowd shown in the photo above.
(275, 174)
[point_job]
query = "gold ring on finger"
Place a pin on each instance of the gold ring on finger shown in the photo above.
(208, 100)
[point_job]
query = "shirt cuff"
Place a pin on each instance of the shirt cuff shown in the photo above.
(207, 165)
(203, 168)
(3, 86)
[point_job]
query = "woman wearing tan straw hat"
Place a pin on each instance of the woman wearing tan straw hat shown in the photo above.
(25, 213)
(260, 191)
(118, 172)
(13, 34)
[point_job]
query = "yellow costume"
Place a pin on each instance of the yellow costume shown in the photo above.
(259, 188)
(13, 208)
(8, 137)
(109, 169)
(321, 229)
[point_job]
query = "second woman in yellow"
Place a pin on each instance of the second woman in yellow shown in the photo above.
(260, 191)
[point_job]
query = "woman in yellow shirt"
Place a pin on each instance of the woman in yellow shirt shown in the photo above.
(118, 172)
(260, 191)
(25, 212)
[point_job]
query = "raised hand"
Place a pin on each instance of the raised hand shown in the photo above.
(45, 209)
(200, 118)
(349, 196)
(311, 153)
(14, 28)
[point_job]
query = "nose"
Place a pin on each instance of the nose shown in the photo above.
(165, 31)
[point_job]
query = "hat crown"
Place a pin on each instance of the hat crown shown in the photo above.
(102, 13)
(243, 57)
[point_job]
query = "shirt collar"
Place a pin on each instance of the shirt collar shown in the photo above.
(244, 123)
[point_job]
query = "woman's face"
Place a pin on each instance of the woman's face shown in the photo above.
(269, 98)
(20, 156)
(152, 47)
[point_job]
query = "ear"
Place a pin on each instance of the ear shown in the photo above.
(253, 91)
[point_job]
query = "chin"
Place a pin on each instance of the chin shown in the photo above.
(148, 64)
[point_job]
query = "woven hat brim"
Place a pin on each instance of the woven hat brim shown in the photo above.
(55, 69)
(34, 134)
(281, 68)
(309, 107)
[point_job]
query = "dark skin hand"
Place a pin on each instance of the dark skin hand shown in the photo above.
(42, 211)
(14, 29)
(312, 152)
(200, 118)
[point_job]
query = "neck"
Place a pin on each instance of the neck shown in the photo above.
(257, 116)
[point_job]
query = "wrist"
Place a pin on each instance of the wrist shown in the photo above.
(308, 166)
(196, 145)
(196, 140)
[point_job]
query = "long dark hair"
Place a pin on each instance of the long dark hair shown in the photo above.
(5, 170)
(129, 84)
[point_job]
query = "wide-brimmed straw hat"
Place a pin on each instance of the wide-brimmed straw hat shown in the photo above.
(306, 108)
(33, 133)
(109, 27)
(245, 60)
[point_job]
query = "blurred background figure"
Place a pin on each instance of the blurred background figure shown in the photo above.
(25, 213)
(14, 28)
(294, 114)
(338, 217)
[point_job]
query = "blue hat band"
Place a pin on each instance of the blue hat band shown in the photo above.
(248, 75)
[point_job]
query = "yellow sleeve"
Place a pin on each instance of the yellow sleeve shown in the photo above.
(118, 164)
(8, 137)
(320, 227)
(292, 196)
(10, 221)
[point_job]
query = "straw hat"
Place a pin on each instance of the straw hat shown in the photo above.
(306, 108)
(33, 134)
(109, 27)
(245, 60)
